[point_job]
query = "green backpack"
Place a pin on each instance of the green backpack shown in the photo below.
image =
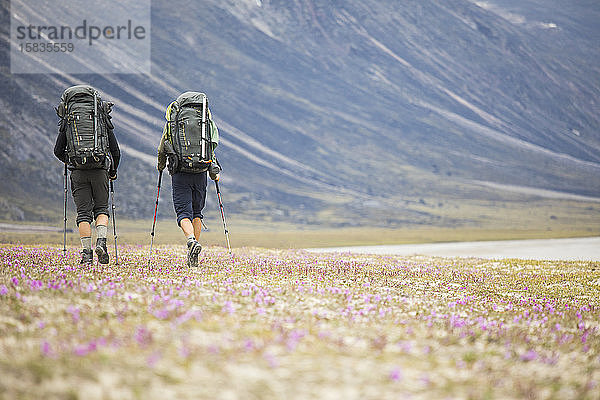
(85, 119)
(192, 135)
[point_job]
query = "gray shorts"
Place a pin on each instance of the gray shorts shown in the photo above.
(90, 193)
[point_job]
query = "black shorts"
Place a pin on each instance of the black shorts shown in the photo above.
(90, 193)
(189, 195)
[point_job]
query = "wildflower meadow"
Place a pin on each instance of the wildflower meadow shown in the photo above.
(289, 324)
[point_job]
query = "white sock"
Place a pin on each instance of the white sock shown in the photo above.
(86, 242)
(101, 231)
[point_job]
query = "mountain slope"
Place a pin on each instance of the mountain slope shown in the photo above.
(359, 109)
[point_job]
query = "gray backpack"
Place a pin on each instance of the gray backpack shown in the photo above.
(85, 119)
(191, 134)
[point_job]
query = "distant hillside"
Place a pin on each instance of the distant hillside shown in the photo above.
(345, 113)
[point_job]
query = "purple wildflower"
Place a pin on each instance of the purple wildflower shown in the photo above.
(530, 355)
(396, 374)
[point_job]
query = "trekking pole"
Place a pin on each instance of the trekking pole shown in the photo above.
(222, 215)
(155, 211)
(114, 221)
(65, 214)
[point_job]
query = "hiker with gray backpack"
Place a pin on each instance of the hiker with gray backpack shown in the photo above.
(87, 145)
(188, 143)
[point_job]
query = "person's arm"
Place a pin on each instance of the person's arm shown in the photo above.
(60, 147)
(162, 153)
(215, 168)
(115, 152)
(214, 133)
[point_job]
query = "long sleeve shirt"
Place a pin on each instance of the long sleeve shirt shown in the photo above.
(162, 153)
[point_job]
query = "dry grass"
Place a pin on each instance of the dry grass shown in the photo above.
(287, 236)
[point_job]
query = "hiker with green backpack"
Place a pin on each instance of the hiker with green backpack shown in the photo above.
(189, 139)
(87, 145)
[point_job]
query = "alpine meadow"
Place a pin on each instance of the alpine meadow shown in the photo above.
(334, 123)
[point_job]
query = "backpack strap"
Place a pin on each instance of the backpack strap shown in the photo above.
(61, 112)
(171, 115)
(172, 108)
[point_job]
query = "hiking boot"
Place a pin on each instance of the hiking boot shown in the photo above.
(101, 251)
(194, 249)
(87, 257)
